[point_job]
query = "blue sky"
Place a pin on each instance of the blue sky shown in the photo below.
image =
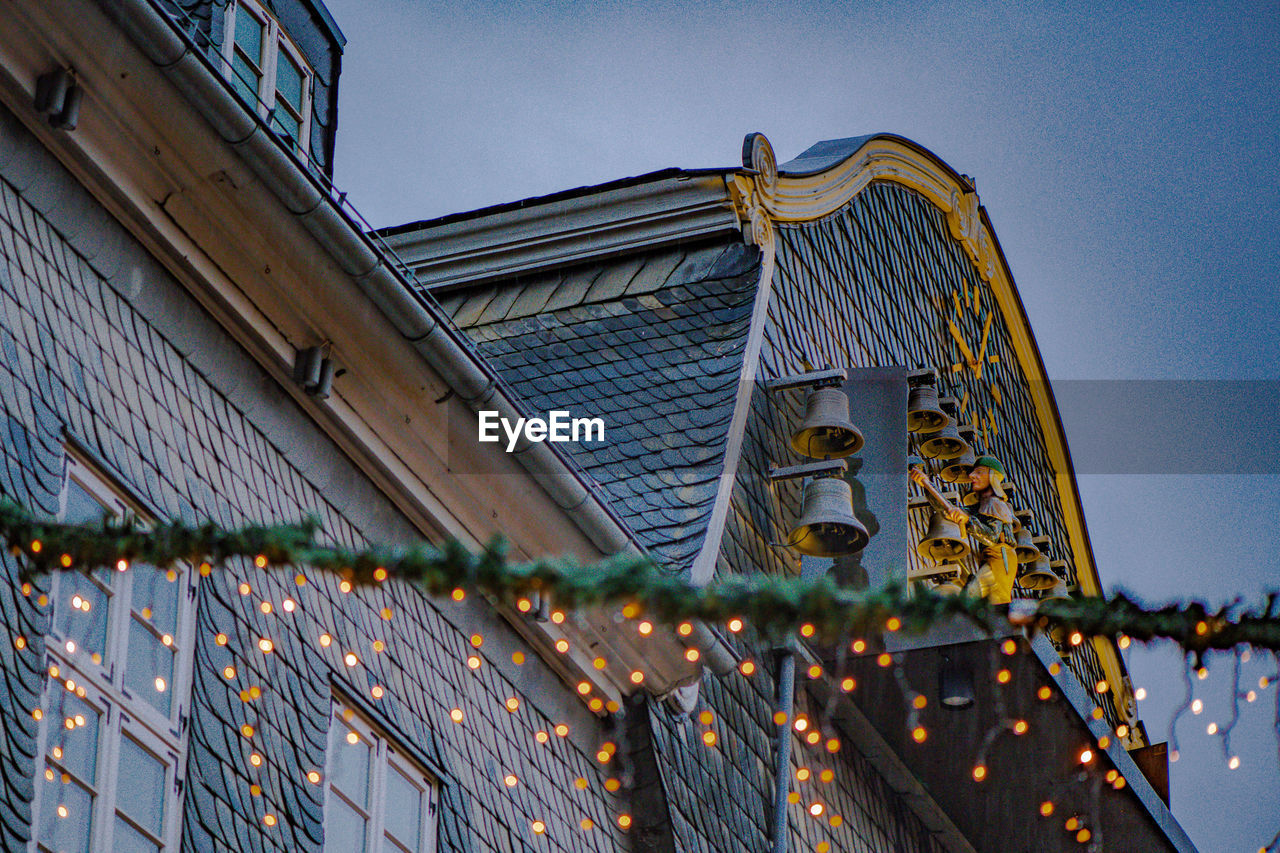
(1126, 156)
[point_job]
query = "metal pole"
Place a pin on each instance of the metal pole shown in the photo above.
(782, 765)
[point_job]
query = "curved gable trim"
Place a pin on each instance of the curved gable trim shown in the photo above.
(829, 175)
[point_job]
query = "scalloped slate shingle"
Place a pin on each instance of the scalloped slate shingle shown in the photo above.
(651, 343)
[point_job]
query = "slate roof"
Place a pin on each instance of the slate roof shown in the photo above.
(652, 343)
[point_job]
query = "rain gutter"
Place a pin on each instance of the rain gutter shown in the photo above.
(354, 252)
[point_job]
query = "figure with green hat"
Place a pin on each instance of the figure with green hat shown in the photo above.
(991, 523)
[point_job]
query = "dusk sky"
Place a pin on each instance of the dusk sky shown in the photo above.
(1126, 156)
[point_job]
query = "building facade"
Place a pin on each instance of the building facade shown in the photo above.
(196, 327)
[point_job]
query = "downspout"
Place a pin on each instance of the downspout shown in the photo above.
(782, 756)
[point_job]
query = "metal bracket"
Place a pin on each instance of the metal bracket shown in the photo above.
(809, 469)
(812, 379)
(921, 377)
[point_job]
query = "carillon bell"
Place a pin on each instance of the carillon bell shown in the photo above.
(1026, 546)
(946, 443)
(944, 541)
(827, 526)
(1058, 592)
(924, 415)
(957, 471)
(1037, 575)
(826, 432)
(949, 585)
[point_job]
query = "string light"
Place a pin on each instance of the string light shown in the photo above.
(979, 772)
(747, 667)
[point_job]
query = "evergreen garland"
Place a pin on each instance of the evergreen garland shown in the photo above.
(775, 606)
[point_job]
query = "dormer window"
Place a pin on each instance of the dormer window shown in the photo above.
(268, 71)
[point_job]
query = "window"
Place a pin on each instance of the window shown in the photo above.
(267, 70)
(377, 799)
(119, 659)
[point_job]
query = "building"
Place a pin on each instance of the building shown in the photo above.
(196, 326)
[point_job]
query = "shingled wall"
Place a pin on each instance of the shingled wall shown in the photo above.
(100, 345)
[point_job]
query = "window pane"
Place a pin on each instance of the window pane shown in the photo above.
(141, 791)
(286, 124)
(73, 734)
(126, 839)
(148, 672)
(350, 764)
(249, 35)
(245, 79)
(404, 809)
(289, 81)
(66, 814)
(343, 828)
(80, 614)
(82, 507)
(156, 597)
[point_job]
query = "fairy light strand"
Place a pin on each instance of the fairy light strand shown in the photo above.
(776, 606)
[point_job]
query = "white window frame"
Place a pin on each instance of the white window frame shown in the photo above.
(103, 685)
(274, 40)
(385, 755)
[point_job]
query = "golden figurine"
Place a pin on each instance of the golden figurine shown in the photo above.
(991, 524)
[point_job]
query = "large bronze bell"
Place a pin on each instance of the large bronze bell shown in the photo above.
(826, 432)
(944, 541)
(1037, 575)
(827, 526)
(924, 415)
